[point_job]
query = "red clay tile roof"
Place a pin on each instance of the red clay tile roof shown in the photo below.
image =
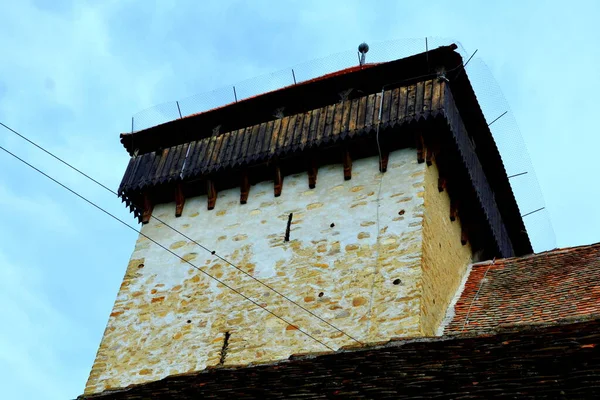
(543, 287)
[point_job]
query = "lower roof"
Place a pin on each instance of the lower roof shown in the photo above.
(538, 361)
(542, 287)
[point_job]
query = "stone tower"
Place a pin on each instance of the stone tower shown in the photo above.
(342, 211)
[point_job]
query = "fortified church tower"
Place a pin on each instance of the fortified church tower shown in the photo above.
(341, 211)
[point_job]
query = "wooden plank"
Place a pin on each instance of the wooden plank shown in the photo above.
(337, 119)
(329, 123)
(161, 164)
(427, 96)
(353, 117)
(168, 163)
(209, 152)
(385, 107)
(184, 154)
(260, 139)
(362, 112)
(179, 200)
(175, 165)
(211, 193)
(237, 145)
(282, 134)
(248, 155)
(345, 118)
(220, 161)
(214, 157)
(436, 101)
(194, 162)
(394, 105)
(411, 97)
(289, 134)
(402, 102)
(240, 156)
(376, 111)
(297, 134)
(244, 187)
(186, 163)
(370, 112)
(264, 151)
(314, 125)
(305, 130)
(321, 127)
(150, 166)
(275, 136)
(420, 96)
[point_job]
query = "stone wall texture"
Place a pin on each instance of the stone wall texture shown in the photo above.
(445, 259)
(354, 258)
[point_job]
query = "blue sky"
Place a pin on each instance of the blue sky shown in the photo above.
(73, 73)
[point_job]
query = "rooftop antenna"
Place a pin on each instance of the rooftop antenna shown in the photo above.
(363, 48)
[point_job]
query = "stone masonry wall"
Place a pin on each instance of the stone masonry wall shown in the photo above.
(354, 259)
(445, 259)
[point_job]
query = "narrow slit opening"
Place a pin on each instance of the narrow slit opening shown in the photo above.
(287, 229)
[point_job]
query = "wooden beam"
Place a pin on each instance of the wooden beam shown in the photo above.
(179, 200)
(383, 161)
(453, 210)
(148, 207)
(464, 236)
(347, 165)
(429, 157)
(211, 193)
(278, 181)
(313, 170)
(244, 187)
(442, 183)
(421, 149)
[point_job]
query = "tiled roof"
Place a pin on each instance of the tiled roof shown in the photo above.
(544, 287)
(554, 362)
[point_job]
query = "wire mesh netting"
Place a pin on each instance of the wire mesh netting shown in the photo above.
(493, 104)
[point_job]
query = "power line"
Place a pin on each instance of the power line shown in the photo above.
(160, 245)
(212, 252)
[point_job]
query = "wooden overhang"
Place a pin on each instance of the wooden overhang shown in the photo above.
(405, 98)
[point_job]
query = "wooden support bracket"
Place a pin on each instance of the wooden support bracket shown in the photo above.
(429, 157)
(383, 161)
(347, 165)
(278, 181)
(313, 169)
(148, 207)
(442, 183)
(421, 149)
(244, 187)
(453, 210)
(211, 193)
(179, 200)
(464, 237)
